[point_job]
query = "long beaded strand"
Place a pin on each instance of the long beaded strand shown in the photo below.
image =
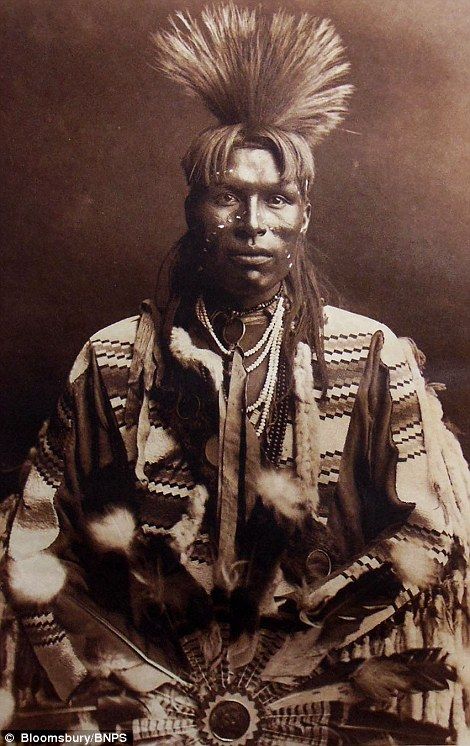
(270, 384)
(271, 341)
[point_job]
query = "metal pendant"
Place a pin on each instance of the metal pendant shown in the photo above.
(233, 331)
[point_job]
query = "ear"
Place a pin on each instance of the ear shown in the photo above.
(306, 217)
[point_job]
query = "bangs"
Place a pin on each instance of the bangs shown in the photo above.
(209, 154)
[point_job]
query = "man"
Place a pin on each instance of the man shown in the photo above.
(246, 521)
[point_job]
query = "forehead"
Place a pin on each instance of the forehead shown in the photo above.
(252, 166)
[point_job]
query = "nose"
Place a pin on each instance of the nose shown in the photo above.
(253, 224)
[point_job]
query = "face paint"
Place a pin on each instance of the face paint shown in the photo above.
(251, 222)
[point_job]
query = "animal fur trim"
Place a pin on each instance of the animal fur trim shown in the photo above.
(195, 358)
(183, 533)
(35, 580)
(161, 444)
(113, 531)
(286, 495)
(7, 707)
(307, 422)
(259, 71)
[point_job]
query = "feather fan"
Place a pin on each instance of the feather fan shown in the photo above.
(257, 70)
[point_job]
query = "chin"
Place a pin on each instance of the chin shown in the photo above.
(254, 289)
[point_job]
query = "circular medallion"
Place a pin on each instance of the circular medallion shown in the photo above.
(230, 717)
(319, 563)
(212, 450)
(229, 720)
(233, 331)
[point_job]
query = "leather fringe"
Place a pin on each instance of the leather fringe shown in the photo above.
(438, 619)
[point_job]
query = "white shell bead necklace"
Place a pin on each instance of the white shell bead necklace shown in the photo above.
(269, 344)
(203, 317)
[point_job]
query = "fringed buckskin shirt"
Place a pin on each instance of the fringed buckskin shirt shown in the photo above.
(351, 563)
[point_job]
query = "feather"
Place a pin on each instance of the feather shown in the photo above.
(123, 638)
(364, 726)
(211, 644)
(248, 68)
(228, 577)
(338, 692)
(343, 614)
(242, 650)
(381, 679)
(427, 668)
(375, 678)
(297, 656)
(339, 617)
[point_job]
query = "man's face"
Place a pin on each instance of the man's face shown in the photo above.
(249, 227)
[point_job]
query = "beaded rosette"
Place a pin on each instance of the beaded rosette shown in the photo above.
(256, 704)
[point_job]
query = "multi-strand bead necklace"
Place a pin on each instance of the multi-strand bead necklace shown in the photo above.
(269, 344)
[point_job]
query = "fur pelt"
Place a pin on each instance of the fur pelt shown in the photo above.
(113, 531)
(192, 357)
(307, 422)
(249, 69)
(35, 580)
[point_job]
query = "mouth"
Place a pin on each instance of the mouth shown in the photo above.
(252, 258)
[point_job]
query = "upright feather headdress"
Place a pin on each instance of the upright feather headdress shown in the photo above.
(262, 72)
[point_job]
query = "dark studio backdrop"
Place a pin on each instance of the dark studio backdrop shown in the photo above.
(93, 196)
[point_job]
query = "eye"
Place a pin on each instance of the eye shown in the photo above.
(225, 199)
(277, 200)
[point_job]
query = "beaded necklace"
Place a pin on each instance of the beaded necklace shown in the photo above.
(269, 344)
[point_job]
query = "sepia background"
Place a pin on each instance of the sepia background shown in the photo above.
(92, 193)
